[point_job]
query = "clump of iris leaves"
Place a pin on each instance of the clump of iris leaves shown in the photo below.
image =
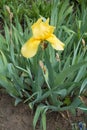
(64, 82)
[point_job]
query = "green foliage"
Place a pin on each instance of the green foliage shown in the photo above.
(22, 8)
(51, 80)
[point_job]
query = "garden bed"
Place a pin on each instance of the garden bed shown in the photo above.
(20, 117)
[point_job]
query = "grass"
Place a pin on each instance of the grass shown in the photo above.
(65, 79)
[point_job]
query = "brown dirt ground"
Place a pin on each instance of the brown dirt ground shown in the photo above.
(20, 117)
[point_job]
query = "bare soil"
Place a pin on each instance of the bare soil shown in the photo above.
(20, 117)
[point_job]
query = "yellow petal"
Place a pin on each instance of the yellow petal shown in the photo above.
(30, 48)
(37, 23)
(55, 42)
(42, 30)
(47, 21)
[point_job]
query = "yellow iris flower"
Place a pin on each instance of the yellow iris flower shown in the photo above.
(41, 31)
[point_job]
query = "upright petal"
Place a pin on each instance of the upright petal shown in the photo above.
(55, 42)
(36, 24)
(42, 30)
(30, 48)
(47, 21)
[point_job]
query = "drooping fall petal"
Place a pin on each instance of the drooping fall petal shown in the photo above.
(30, 48)
(55, 42)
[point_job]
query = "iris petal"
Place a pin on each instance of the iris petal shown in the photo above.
(36, 23)
(55, 42)
(30, 48)
(41, 30)
(47, 21)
